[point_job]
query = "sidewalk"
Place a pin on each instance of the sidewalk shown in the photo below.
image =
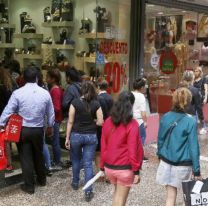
(59, 193)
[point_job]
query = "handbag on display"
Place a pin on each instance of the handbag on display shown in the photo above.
(13, 128)
(195, 193)
(3, 158)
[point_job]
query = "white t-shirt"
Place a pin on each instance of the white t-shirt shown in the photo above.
(139, 106)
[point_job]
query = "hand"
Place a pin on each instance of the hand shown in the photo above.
(196, 178)
(67, 144)
(205, 101)
(145, 124)
(137, 179)
(50, 131)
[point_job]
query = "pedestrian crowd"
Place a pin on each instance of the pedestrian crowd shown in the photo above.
(110, 133)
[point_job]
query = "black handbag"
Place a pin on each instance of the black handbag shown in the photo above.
(192, 199)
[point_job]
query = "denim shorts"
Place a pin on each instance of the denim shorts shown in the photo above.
(173, 175)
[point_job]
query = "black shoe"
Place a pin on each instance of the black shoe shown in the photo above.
(49, 172)
(89, 196)
(41, 184)
(74, 186)
(27, 190)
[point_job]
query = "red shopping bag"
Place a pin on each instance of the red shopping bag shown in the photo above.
(3, 158)
(13, 128)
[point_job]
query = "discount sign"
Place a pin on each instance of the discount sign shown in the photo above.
(116, 75)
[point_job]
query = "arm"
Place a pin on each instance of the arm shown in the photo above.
(194, 149)
(10, 109)
(68, 97)
(143, 111)
(161, 138)
(69, 126)
(50, 112)
(206, 93)
(135, 148)
(103, 146)
(99, 115)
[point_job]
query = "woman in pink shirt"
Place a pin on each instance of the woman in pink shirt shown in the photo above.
(121, 148)
(53, 80)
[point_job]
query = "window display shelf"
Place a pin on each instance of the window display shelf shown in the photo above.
(58, 46)
(30, 56)
(28, 36)
(92, 35)
(58, 24)
(6, 45)
(9, 26)
(90, 60)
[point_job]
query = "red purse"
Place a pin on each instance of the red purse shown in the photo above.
(3, 158)
(13, 128)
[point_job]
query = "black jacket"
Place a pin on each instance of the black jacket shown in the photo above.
(106, 103)
(4, 97)
(72, 91)
(195, 106)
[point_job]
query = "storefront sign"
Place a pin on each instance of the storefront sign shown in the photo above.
(154, 61)
(115, 75)
(111, 47)
(168, 62)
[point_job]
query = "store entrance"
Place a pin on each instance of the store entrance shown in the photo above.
(175, 41)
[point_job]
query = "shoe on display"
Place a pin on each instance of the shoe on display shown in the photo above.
(27, 190)
(202, 131)
(145, 159)
(89, 196)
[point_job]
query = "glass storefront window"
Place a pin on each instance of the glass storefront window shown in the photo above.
(175, 41)
(92, 35)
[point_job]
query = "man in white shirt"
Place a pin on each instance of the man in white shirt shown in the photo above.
(139, 108)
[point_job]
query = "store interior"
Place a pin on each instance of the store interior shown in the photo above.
(66, 33)
(182, 35)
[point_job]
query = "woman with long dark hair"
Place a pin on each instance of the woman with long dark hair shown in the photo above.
(85, 114)
(121, 148)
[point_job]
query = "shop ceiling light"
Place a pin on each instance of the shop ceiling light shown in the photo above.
(160, 13)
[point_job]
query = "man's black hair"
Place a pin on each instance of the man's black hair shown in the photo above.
(30, 74)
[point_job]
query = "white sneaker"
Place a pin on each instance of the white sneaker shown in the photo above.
(202, 131)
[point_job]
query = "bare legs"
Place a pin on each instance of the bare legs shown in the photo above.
(171, 195)
(97, 161)
(120, 195)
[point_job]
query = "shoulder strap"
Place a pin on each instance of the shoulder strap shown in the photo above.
(170, 130)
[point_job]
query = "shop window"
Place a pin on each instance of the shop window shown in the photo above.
(175, 41)
(91, 35)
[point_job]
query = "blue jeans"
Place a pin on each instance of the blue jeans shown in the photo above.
(46, 155)
(142, 131)
(56, 144)
(83, 148)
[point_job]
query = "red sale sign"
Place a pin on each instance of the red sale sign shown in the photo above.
(115, 75)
